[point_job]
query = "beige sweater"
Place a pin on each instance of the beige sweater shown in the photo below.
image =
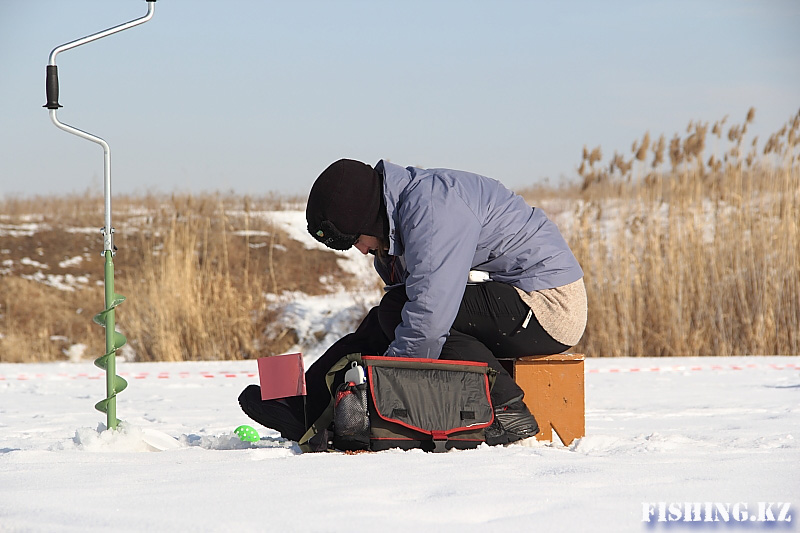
(561, 311)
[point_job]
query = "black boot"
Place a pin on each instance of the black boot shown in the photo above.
(283, 415)
(512, 422)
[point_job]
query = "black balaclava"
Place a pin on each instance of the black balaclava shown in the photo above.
(346, 201)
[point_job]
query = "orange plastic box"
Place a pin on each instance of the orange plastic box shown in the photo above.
(554, 392)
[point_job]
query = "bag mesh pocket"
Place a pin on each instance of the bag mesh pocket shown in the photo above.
(351, 417)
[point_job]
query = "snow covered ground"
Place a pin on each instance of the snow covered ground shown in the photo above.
(720, 430)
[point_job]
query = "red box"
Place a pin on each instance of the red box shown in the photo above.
(282, 376)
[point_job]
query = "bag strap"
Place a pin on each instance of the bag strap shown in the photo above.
(324, 421)
(445, 364)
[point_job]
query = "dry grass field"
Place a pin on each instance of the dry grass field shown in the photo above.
(195, 270)
(690, 246)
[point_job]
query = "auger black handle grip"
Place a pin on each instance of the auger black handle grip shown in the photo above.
(52, 87)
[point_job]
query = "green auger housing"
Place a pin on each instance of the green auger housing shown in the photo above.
(114, 340)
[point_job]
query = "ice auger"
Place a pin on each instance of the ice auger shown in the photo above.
(106, 318)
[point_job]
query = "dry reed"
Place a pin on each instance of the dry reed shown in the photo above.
(697, 259)
(195, 268)
(686, 254)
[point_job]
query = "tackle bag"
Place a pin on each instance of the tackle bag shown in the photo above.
(398, 402)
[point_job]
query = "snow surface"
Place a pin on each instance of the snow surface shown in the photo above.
(697, 430)
(293, 222)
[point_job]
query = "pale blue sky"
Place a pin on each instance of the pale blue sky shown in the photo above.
(260, 96)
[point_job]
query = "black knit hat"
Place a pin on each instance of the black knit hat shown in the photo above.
(346, 201)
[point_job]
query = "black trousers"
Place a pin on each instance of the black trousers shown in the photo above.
(489, 325)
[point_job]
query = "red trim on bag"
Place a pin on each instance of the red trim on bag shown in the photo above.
(422, 360)
(342, 393)
(419, 429)
(439, 435)
(491, 406)
(451, 439)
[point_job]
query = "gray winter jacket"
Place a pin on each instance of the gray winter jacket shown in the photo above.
(444, 223)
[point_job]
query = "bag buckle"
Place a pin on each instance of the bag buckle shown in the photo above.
(439, 441)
